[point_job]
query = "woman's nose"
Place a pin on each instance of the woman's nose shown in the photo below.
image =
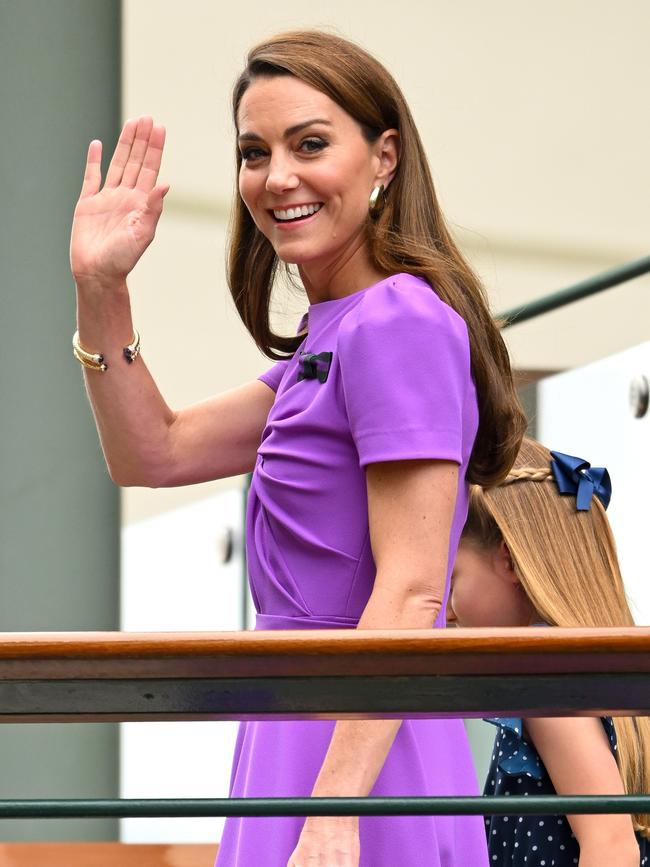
(281, 176)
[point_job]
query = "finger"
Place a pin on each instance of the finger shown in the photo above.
(155, 200)
(153, 157)
(121, 154)
(138, 151)
(93, 173)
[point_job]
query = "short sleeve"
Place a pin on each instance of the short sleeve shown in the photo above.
(513, 754)
(273, 376)
(405, 367)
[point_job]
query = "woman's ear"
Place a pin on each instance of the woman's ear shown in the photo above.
(387, 146)
(505, 564)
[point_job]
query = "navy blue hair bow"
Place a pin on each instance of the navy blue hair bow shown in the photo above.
(576, 476)
(311, 366)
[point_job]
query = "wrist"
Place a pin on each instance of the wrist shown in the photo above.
(91, 286)
(348, 823)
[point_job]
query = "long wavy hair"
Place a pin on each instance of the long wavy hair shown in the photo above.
(409, 236)
(567, 564)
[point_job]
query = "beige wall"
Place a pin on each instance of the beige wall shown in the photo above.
(536, 124)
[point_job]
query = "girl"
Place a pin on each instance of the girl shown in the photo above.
(538, 550)
(361, 440)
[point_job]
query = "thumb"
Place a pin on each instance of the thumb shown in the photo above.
(155, 198)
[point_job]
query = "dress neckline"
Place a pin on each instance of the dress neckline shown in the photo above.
(322, 310)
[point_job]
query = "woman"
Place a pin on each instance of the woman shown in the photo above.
(370, 428)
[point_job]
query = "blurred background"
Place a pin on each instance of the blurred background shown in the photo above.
(536, 125)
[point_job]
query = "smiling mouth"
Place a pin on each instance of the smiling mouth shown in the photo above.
(296, 214)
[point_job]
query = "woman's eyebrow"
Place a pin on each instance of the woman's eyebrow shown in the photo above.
(292, 130)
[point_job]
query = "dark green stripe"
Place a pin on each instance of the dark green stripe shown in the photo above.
(592, 286)
(470, 806)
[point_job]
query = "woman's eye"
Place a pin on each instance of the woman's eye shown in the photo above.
(251, 154)
(312, 145)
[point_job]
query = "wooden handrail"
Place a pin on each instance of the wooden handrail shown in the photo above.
(106, 855)
(321, 652)
(324, 673)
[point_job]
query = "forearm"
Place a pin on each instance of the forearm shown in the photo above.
(623, 853)
(359, 748)
(132, 418)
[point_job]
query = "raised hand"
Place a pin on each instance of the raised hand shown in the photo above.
(113, 226)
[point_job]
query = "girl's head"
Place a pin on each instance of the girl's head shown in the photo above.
(368, 138)
(526, 544)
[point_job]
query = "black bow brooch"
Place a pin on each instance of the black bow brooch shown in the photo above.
(312, 366)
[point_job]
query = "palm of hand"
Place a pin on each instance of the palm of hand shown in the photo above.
(110, 231)
(113, 226)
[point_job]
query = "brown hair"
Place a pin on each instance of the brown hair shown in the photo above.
(409, 236)
(566, 562)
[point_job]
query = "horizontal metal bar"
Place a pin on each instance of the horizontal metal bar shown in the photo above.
(359, 697)
(538, 805)
(583, 289)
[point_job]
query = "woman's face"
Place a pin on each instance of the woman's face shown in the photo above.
(307, 171)
(485, 590)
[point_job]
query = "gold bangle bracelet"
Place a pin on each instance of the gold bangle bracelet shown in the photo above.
(132, 351)
(95, 360)
(91, 365)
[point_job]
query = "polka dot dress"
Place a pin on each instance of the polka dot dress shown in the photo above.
(530, 841)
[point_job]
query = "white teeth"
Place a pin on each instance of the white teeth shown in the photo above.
(294, 213)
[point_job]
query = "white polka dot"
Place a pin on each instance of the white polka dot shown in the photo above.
(494, 857)
(494, 831)
(520, 819)
(543, 863)
(519, 779)
(516, 845)
(541, 822)
(549, 838)
(534, 848)
(506, 818)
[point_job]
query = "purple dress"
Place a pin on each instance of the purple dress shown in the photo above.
(397, 386)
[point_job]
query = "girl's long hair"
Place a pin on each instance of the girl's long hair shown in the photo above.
(409, 236)
(566, 562)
